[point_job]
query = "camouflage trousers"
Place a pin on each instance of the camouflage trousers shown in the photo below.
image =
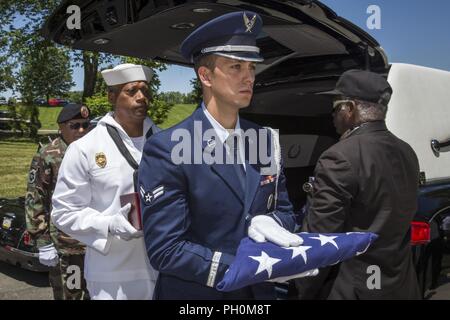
(67, 278)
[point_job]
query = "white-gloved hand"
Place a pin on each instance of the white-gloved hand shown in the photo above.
(264, 228)
(120, 227)
(48, 255)
(310, 273)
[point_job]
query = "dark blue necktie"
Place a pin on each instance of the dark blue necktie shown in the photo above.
(233, 143)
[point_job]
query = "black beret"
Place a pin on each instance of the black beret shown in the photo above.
(73, 111)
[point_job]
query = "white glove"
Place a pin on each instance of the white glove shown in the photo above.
(264, 228)
(120, 227)
(48, 255)
(310, 273)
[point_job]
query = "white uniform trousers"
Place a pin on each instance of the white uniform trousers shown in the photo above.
(130, 290)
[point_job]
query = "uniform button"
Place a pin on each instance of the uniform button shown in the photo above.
(308, 187)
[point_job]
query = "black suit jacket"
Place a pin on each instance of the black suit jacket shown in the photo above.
(368, 181)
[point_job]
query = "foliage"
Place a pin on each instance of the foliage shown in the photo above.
(46, 72)
(6, 75)
(159, 111)
(19, 43)
(25, 120)
(172, 97)
(16, 42)
(196, 95)
(22, 47)
(98, 104)
(100, 85)
(74, 96)
(91, 62)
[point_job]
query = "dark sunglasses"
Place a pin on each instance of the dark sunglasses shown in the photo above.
(78, 125)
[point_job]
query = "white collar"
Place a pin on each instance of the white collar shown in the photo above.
(109, 119)
(222, 133)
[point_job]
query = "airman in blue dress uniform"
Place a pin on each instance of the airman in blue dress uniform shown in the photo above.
(196, 211)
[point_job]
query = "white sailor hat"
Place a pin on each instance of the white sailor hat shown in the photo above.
(231, 35)
(127, 72)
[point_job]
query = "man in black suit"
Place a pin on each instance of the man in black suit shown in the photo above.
(368, 181)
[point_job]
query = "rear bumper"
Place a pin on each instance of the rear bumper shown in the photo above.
(24, 259)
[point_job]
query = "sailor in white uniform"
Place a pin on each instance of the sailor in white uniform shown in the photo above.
(93, 176)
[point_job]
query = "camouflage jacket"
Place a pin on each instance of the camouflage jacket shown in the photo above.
(38, 200)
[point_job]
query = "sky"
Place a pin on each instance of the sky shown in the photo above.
(412, 31)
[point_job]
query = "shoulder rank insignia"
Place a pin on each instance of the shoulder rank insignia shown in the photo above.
(151, 196)
(100, 159)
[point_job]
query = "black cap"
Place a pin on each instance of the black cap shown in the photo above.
(363, 85)
(73, 111)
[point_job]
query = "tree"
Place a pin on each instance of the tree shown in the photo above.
(21, 49)
(172, 97)
(6, 74)
(100, 85)
(90, 66)
(21, 41)
(45, 72)
(196, 93)
(190, 99)
(18, 44)
(91, 62)
(74, 96)
(98, 104)
(33, 13)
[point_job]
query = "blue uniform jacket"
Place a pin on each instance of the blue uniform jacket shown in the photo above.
(194, 214)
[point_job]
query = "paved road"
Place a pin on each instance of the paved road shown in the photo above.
(442, 292)
(20, 284)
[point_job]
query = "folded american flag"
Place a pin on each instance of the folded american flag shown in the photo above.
(259, 262)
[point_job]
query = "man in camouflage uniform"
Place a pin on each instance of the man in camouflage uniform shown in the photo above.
(64, 255)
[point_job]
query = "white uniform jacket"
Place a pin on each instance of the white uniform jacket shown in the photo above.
(91, 179)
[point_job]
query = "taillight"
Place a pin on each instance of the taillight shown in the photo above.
(420, 233)
(27, 239)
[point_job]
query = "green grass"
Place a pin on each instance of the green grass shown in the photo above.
(16, 153)
(178, 113)
(48, 116)
(15, 160)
